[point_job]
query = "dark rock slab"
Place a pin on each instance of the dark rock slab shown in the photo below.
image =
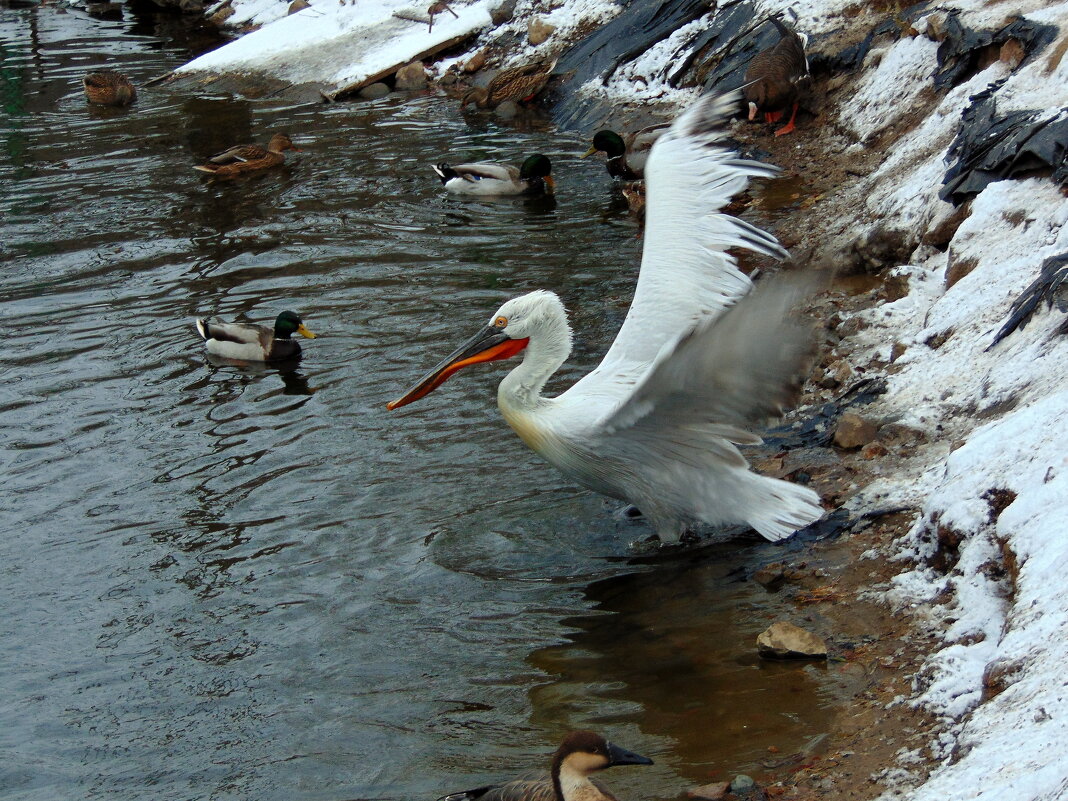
(1050, 286)
(963, 51)
(989, 147)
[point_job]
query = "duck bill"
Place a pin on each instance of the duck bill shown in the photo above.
(621, 756)
(488, 345)
(588, 153)
(304, 331)
(550, 185)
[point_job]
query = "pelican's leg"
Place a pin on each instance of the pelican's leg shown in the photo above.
(790, 125)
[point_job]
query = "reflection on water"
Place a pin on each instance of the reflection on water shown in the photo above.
(237, 581)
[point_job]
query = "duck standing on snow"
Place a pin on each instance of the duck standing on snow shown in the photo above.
(777, 77)
(248, 158)
(581, 754)
(108, 88)
(532, 178)
(518, 84)
(254, 343)
(625, 158)
(701, 359)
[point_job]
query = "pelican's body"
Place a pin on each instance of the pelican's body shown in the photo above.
(486, 179)
(579, 755)
(699, 361)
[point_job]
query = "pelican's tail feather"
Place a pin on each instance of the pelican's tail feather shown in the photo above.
(776, 509)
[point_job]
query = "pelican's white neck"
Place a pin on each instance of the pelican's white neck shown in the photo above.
(549, 347)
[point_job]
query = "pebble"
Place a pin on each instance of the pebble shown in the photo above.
(782, 640)
(476, 62)
(539, 31)
(374, 91)
(854, 431)
(411, 76)
(709, 792)
(298, 5)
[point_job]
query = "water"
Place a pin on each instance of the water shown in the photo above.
(257, 583)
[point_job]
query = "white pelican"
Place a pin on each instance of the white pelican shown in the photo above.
(699, 359)
(579, 755)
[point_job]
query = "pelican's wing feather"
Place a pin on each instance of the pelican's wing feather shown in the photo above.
(480, 171)
(733, 373)
(687, 277)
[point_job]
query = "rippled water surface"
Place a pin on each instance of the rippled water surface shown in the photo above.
(257, 583)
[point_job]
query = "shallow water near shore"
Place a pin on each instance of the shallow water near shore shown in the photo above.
(256, 583)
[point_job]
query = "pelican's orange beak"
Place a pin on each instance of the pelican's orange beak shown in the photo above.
(488, 345)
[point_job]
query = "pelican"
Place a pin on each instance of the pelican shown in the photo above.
(580, 754)
(701, 358)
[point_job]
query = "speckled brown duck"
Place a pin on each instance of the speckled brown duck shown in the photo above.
(108, 88)
(518, 84)
(581, 754)
(248, 158)
(777, 78)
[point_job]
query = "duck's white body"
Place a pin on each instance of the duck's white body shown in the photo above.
(699, 361)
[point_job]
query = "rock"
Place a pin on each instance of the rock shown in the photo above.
(374, 91)
(476, 62)
(853, 431)
(298, 5)
(744, 788)
(503, 12)
(538, 31)
(873, 450)
(411, 76)
(945, 224)
(709, 792)
(220, 16)
(448, 79)
(1012, 53)
(784, 640)
(770, 576)
(881, 247)
(742, 783)
(958, 268)
(936, 27)
(506, 110)
(897, 350)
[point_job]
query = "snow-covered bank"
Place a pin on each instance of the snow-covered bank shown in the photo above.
(332, 45)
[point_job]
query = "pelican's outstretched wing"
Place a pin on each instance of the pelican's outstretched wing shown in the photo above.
(687, 277)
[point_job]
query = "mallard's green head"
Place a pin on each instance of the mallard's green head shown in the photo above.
(289, 323)
(536, 166)
(609, 143)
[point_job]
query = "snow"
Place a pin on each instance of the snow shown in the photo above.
(334, 44)
(996, 419)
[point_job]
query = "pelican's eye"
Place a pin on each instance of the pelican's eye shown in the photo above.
(500, 322)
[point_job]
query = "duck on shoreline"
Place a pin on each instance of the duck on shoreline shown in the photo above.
(777, 77)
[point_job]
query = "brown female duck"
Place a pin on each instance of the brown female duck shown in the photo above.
(246, 158)
(518, 84)
(581, 754)
(777, 77)
(108, 88)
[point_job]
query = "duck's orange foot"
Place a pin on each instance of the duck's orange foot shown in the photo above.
(772, 116)
(785, 129)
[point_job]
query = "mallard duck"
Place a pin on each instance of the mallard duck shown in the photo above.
(246, 158)
(626, 157)
(777, 77)
(581, 754)
(254, 343)
(532, 178)
(516, 84)
(108, 88)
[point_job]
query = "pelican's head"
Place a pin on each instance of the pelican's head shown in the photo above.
(585, 752)
(537, 314)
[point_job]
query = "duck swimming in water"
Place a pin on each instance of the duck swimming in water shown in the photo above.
(702, 358)
(532, 178)
(581, 754)
(254, 343)
(108, 88)
(248, 158)
(625, 157)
